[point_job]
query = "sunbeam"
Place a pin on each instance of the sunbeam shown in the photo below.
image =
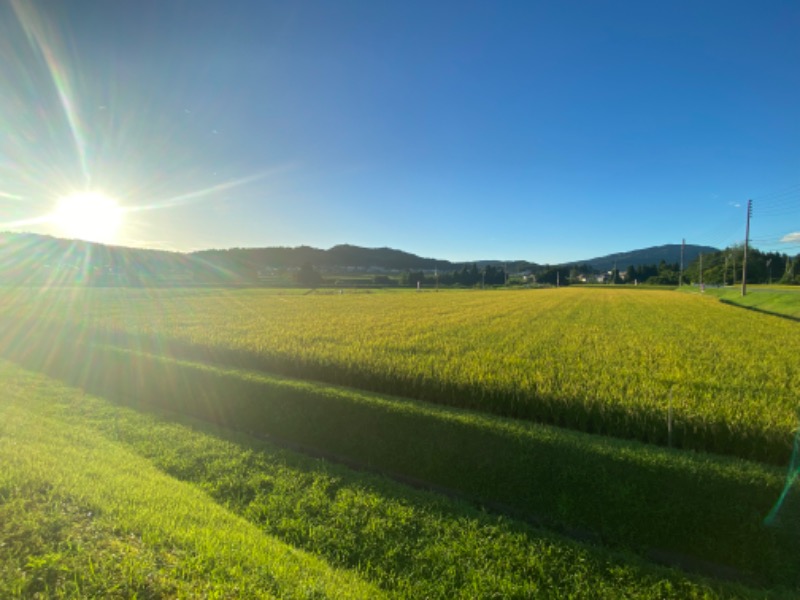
(189, 197)
(42, 37)
(25, 222)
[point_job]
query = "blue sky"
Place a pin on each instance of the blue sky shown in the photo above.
(546, 131)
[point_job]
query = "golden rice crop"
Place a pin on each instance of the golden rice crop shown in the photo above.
(607, 361)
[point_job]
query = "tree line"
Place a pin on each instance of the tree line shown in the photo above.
(467, 276)
(718, 268)
(725, 267)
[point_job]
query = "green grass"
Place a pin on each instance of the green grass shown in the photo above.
(775, 300)
(83, 516)
(92, 506)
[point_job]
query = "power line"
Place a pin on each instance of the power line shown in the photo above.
(780, 203)
(767, 240)
(787, 191)
(776, 210)
(726, 232)
(721, 234)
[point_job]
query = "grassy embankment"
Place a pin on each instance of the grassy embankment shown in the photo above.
(84, 516)
(775, 300)
(102, 500)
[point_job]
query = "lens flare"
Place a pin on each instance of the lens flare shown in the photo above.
(43, 39)
(791, 477)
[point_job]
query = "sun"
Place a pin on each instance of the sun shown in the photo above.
(90, 216)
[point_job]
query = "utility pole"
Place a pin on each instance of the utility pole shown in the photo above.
(701, 273)
(746, 239)
(725, 272)
(680, 276)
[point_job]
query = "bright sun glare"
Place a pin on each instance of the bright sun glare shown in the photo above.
(89, 216)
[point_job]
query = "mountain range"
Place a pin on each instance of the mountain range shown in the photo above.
(34, 258)
(669, 253)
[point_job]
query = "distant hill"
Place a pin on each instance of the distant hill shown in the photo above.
(342, 256)
(669, 253)
(39, 259)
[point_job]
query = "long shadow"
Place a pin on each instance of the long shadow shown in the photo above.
(612, 421)
(265, 469)
(338, 474)
(760, 310)
(690, 511)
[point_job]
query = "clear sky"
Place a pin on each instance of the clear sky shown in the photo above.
(541, 130)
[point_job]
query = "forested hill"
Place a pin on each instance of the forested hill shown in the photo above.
(669, 253)
(339, 256)
(37, 258)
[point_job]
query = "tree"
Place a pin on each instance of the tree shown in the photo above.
(411, 278)
(788, 274)
(630, 274)
(553, 275)
(494, 276)
(474, 274)
(307, 276)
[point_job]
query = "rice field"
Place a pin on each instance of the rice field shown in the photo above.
(657, 366)
(470, 385)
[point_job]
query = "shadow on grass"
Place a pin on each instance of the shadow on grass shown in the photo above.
(763, 311)
(689, 432)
